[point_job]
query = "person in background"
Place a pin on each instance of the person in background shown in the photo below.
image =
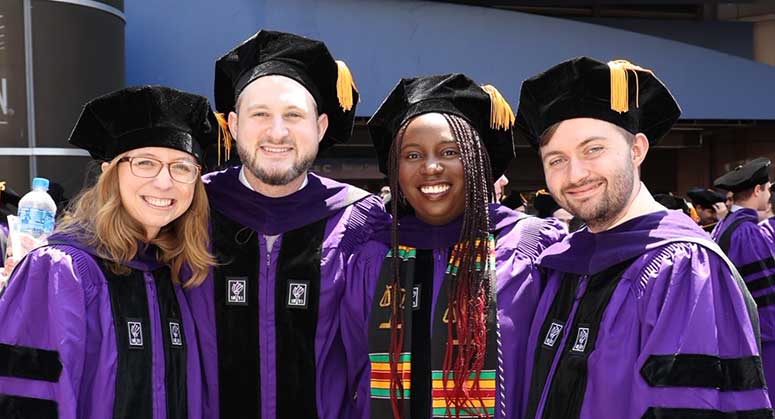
(500, 188)
(8, 203)
(94, 324)
(515, 201)
(768, 225)
(384, 193)
(672, 202)
(547, 207)
(750, 248)
(709, 205)
(728, 203)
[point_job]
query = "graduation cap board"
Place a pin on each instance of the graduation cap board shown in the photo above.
(482, 106)
(545, 204)
(618, 92)
(307, 61)
(745, 176)
(145, 116)
(705, 197)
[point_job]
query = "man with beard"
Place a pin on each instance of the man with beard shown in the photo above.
(268, 315)
(709, 205)
(749, 247)
(642, 316)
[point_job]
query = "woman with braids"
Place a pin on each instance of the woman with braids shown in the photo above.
(436, 307)
(94, 324)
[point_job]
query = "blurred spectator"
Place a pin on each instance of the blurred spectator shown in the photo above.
(384, 193)
(500, 188)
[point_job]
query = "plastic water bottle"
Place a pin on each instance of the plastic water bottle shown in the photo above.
(37, 211)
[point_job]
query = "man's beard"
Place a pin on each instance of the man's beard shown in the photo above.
(611, 204)
(275, 177)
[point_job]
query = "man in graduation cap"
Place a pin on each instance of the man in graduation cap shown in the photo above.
(642, 316)
(709, 205)
(268, 316)
(748, 246)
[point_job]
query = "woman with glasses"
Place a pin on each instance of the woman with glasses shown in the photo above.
(94, 324)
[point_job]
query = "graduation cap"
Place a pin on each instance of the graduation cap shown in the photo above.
(7, 196)
(745, 176)
(705, 197)
(482, 106)
(304, 60)
(672, 202)
(513, 200)
(545, 204)
(145, 116)
(618, 92)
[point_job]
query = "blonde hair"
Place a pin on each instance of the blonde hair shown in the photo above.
(98, 218)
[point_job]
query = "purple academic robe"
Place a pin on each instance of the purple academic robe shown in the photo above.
(520, 241)
(768, 226)
(634, 325)
(79, 343)
(267, 353)
(751, 249)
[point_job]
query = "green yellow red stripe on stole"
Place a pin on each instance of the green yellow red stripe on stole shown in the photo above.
(380, 374)
(454, 259)
(485, 393)
(404, 252)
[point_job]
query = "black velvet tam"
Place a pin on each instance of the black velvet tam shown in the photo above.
(705, 197)
(545, 204)
(145, 116)
(746, 176)
(454, 94)
(514, 200)
(581, 88)
(671, 202)
(304, 60)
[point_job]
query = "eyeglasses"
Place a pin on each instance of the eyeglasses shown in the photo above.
(147, 167)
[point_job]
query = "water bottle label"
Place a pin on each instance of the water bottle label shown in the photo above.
(35, 221)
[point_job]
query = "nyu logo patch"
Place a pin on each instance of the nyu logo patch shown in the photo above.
(135, 329)
(553, 334)
(582, 337)
(416, 297)
(176, 338)
(236, 291)
(297, 294)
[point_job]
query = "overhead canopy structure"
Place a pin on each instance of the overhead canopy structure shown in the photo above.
(384, 40)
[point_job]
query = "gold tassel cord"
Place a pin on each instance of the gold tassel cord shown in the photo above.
(501, 115)
(2, 186)
(223, 135)
(620, 98)
(344, 86)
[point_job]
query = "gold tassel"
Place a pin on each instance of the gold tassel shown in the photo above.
(620, 97)
(344, 86)
(2, 186)
(542, 192)
(501, 115)
(693, 213)
(225, 134)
